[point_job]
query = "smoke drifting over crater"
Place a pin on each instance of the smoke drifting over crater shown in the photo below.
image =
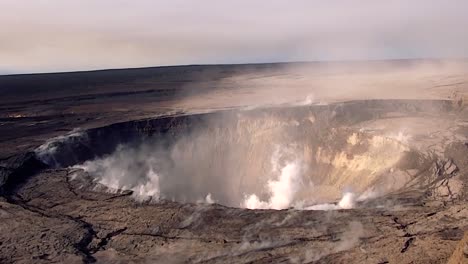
(304, 157)
(154, 173)
(151, 172)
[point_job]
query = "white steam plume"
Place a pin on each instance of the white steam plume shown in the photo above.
(347, 202)
(208, 200)
(152, 171)
(119, 172)
(282, 191)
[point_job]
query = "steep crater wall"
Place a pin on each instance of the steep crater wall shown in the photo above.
(262, 158)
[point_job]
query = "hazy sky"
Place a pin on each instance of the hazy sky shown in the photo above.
(64, 35)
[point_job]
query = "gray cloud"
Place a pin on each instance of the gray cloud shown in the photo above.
(60, 35)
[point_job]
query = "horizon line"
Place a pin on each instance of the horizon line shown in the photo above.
(232, 64)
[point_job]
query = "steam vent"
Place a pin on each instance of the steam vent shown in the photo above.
(358, 162)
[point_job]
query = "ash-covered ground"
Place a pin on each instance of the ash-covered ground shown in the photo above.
(363, 162)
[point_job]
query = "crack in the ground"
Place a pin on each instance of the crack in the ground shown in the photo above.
(105, 240)
(123, 194)
(69, 186)
(403, 226)
(206, 240)
(408, 243)
(82, 245)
